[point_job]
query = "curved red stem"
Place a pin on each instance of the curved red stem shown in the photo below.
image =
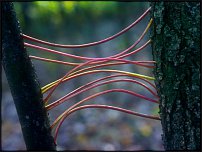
(81, 57)
(71, 77)
(103, 107)
(92, 43)
(69, 96)
(83, 64)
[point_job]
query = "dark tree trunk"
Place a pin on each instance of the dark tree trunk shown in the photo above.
(176, 49)
(24, 85)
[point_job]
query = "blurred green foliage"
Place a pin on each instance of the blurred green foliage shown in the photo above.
(41, 17)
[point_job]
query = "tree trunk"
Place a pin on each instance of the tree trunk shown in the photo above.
(176, 49)
(24, 84)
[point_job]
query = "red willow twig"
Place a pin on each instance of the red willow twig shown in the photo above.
(81, 65)
(96, 71)
(103, 107)
(101, 79)
(69, 96)
(132, 46)
(92, 43)
(109, 91)
(76, 64)
(53, 61)
(81, 57)
(119, 55)
(102, 65)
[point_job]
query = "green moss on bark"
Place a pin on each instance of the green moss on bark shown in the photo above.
(176, 49)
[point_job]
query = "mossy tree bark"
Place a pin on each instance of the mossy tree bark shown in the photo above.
(24, 85)
(176, 49)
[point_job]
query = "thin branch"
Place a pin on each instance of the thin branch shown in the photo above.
(52, 84)
(76, 92)
(76, 64)
(54, 61)
(81, 57)
(103, 107)
(119, 55)
(107, 77)
(86, 63)
(92, 43)
(102, 93)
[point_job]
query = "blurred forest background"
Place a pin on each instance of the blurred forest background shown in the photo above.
(71, 22)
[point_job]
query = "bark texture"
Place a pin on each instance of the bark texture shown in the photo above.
(24, 84)
(176, 49)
